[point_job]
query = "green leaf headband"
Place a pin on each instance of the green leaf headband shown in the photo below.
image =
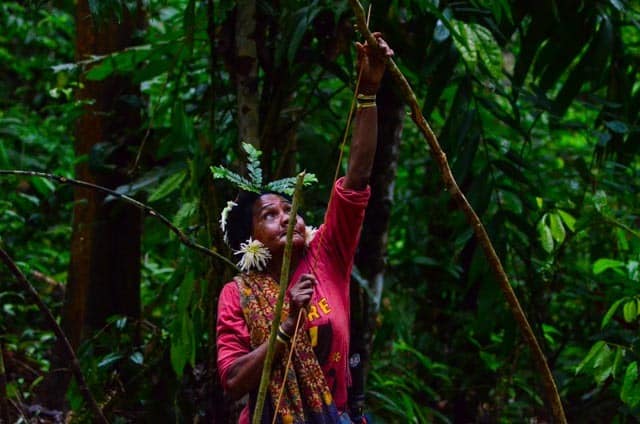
(254, 183)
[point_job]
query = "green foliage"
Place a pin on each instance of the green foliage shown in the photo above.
(476, 44)
(535, 105)
(183, 346)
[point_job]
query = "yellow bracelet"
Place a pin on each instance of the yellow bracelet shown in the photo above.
(283, 334)
(366, 105)
(366, 97)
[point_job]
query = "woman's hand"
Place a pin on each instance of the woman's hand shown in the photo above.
(372, 61)
(299, 297)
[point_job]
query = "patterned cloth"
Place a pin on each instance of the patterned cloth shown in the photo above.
(306, 397)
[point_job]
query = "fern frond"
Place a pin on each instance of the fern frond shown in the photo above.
(253, 164)
(288, 185)
(241, 182)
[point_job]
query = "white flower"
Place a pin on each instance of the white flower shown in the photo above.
(254, 255)
(309, 234)
(223, 219)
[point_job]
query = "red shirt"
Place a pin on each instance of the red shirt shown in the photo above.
(331, 256)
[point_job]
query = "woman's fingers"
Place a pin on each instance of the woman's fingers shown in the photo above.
(302, 291)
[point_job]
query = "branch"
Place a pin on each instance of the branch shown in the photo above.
(75, 364)
(284, 280)
(450, 184)
(184, 239)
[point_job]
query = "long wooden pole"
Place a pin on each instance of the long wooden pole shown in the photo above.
(284, 282)
(451, 185)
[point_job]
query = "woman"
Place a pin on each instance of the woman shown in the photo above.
(256, 226)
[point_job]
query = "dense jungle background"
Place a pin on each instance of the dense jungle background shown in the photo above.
(535, 103)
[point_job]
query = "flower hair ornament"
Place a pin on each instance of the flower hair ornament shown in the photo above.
(309, 234)
(254, 254)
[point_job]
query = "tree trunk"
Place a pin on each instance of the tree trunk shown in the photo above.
(370, 257)
(246, 72)
(104, 269)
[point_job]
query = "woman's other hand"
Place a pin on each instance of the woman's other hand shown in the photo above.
(299, 297)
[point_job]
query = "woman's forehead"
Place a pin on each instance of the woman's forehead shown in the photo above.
(268, 200)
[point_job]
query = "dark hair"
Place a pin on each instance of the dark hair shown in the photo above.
(240, 219)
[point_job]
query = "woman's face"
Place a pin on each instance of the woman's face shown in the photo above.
(270, 221)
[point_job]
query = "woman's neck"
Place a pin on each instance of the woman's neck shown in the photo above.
(274, 267)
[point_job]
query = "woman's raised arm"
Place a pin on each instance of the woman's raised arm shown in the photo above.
(372, 63)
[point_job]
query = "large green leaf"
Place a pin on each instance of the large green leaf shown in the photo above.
(468, 47)
(557, 229)
(603, 264)
(589, 360)
(182, 344)
(168, 186)
(545, 236)
(630, 310)
(123, 61)
(611, 312)
(182, 334)
(630, 393)
(568, 219)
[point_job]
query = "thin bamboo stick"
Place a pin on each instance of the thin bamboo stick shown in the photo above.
(284, 282)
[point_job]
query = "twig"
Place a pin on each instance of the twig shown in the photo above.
(19, 409)
(450, 184)
(145, 208)
(284, 279)
(50, 281)
(75, 364)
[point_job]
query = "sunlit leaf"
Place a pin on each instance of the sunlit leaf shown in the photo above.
(557, 229)
(101, 70)
(611, 312)
(467, 48)
(603, 364)
(629, 392)
(43, 185)
(109, 359)
(617, 362)
(440, 32)
(568, 219)
(545, 236)
(137, 358)
(603, 264)
(600, 201)
(589, 359)
(630, 310)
